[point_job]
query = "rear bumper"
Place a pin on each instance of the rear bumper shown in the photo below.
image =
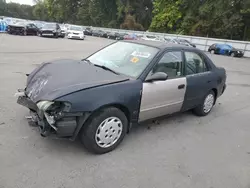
(66, 126)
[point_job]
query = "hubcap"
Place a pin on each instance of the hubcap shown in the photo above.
(212, 51)
(232, 54)
(108, 132)
(208, 103)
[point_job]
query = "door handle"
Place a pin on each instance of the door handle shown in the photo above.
(182, 86)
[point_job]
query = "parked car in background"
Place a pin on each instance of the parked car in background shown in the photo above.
(150, 38)
(63, 29)
(225, 49)
(23, 28)
(3, 26)
(130, 37)
(121, 36)
(51, 30)
(88, 31)
(99, 33)
(75, 32)
(112, 35)
(116, 35)
(117, 87)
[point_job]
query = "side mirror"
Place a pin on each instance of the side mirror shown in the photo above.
(159, 76)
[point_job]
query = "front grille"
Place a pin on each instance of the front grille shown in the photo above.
(76, 33)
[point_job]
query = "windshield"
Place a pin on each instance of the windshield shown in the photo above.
(49, 26)
(126, 58)
(75, 28)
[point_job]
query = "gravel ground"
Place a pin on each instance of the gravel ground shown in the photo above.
(183, 151)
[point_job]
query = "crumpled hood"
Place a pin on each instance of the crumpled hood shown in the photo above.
(55, 79)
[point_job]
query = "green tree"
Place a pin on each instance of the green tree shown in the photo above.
(167, 14)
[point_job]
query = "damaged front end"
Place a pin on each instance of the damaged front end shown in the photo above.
(52, 117)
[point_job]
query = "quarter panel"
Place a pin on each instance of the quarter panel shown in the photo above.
(161, 98)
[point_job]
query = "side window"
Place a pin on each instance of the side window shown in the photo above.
(171, 64)
(194, 63)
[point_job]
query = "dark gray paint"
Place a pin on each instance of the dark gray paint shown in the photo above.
(126, 94)
(198, 85)
(53, 80)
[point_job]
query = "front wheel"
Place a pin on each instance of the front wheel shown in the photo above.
(207, 104)
(232, 54)
(104, 131)
(212, 52)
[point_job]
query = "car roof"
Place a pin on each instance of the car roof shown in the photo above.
(159, 44)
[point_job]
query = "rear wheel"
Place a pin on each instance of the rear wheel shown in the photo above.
(212, 52)
(232, 54)
(104, 131)
(207, 104)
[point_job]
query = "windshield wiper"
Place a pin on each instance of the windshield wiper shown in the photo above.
(106, 68)
(101, 66)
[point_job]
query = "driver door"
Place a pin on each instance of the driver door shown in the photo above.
(160, 98)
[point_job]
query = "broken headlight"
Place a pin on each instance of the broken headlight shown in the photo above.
(50, 106)
(44, 105)
(54, 109)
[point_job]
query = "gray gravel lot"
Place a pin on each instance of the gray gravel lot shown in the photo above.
(183, 151)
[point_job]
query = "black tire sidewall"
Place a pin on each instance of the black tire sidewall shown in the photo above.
(88, 132)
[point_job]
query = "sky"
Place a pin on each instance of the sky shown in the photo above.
(28, 2)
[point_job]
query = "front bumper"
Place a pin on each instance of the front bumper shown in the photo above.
(74, 36)
(63, 127)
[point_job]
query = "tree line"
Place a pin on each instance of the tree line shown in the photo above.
(229, 19)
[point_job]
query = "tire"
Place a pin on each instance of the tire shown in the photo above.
(56, 36)
(212, 52)
(232, 54)
(89, 134)
(25, 33)
(201, 110)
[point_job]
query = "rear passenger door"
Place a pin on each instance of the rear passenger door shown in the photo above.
(200, 79)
